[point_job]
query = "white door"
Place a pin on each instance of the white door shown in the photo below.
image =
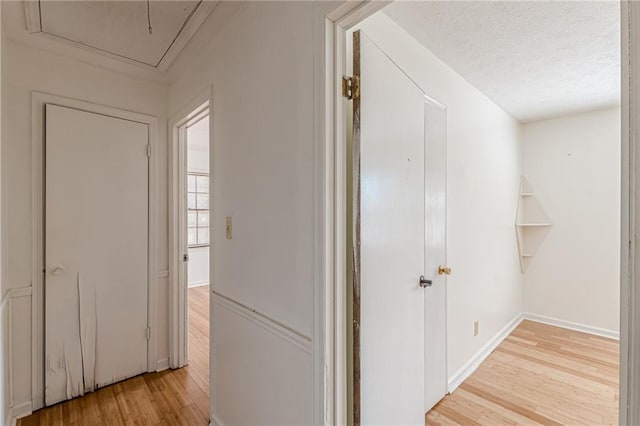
(401, 333)
(96, 251)
(435, 255)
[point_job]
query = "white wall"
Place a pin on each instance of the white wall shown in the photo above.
(573, 166)
(198, 162)
(198, 273)
(262, 157)
(483, 173)
(27, 70)
(263, 177)
(198, 147)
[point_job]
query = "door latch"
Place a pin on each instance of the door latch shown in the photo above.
(185, 257)
(425, 282)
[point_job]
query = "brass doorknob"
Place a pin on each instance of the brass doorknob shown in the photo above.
(444, 270)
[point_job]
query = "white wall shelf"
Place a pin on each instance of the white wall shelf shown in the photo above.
(532, 224)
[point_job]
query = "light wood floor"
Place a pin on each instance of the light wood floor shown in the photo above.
(539, 375)
(171, 397)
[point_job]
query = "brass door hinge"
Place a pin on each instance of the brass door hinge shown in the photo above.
(351, 87)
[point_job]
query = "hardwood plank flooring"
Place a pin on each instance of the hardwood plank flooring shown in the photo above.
(539, 374)
(171, 397)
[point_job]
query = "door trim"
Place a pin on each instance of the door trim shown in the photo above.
(38, 101)
(332, 400)
(177, 151)
(629, 296)
(356, 203)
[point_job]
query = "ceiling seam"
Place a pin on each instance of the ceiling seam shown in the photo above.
(184, 24)
(155, 66)
(97, 48)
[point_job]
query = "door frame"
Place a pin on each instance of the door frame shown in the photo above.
(630, 221)
(38, 101)
(332, 372)
(178, 351)
(332, 113)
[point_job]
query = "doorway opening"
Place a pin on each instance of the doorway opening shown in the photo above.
(190, 243)
(196, 228)
(521, 308)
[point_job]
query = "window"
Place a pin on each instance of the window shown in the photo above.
(198, 209)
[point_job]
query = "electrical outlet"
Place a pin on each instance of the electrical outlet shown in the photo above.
(476, 326)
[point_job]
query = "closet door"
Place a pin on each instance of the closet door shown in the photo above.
(399, 292)
(96, 251)
(391, 189)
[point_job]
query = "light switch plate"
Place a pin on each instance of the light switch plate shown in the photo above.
(229, 228)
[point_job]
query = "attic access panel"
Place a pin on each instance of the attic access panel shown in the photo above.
(120, 28)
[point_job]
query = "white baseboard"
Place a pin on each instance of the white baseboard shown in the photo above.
(19, 411)
(215, 420)
(473, 364)
(198, 284)
(162, 364)
(572, 326)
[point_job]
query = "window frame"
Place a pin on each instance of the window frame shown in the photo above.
(197, 210)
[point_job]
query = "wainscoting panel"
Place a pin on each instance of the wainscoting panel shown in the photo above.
(262, 369)
(17, 304)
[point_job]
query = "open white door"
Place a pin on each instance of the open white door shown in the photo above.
(435, 261)
(399, 297)
(96, 251)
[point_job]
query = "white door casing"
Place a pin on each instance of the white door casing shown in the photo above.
(183, 250)
(178, 247)
(183, 269)
(402, 366)
(96, 250)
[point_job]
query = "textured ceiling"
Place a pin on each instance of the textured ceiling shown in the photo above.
(535, 59)
(118, 27)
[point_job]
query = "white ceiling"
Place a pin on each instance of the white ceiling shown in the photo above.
(536, 59)
(109, 28)
(118, 27)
